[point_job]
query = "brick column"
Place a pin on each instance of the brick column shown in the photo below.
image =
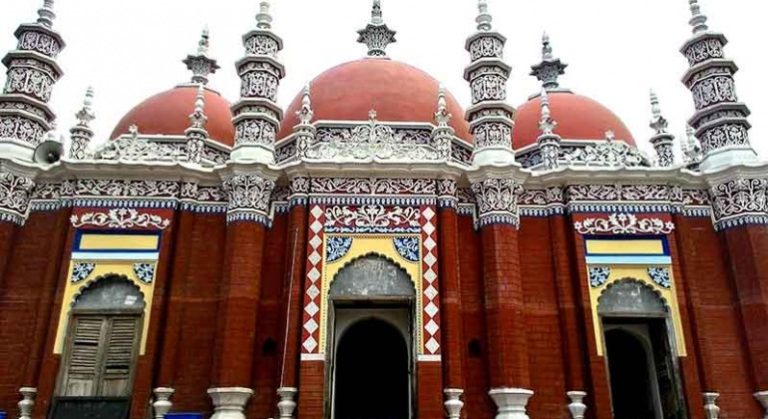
(14, 204)
(248, 196)
(450, 291)
(7, 237)
(498, 220)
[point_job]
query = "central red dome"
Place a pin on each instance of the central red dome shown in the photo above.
(397, 91)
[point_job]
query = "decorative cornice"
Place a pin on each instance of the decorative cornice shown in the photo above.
(15, 196)
(249, 197)
(120, 218)
(626, 224)
(740, 201)
(497, 201)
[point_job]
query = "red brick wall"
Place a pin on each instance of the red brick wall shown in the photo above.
(26, 300)
(477, 403)
(542, 320)
(429, 376)
(311, 390)
(7, 235)
(450, 293)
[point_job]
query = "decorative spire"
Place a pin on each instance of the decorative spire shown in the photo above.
(484, 18)
(549, 142)
(81, 134)
(257, 115)
(377, 35)
(698, 20)
(442, 116)
(691, 147)
(200, 64)
(46, 14)
(550, 68)
(443, 133)
(305, 131)
(720, 120)
(662, 140)
(196, 133)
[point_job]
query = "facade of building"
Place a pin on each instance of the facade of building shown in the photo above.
(375, 251)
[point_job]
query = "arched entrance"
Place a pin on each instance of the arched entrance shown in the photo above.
(372, 361)
(372, 372)
(642, 366)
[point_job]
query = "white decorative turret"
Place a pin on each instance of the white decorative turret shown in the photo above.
(201, 65)
(196, 133)
(720, 120)
(82, 134)
(550, 68)
(490, 117)
(376, 35)
(549, 142)
(662, 140)
(25, 116)
(305, 131)
(256, 115)
(443, 133)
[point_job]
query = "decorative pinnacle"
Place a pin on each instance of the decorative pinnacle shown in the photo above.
(442, 116)
(198, 118)
(691, 146)
(610, 136)
(200, 64)
(85, 115)
(550, 68)
(205, 42)
(46, 14)
(264, 19)
(658, 122)
(698, 20)
(546, 124)
(376, 35)
(484, 18)
(305, 113)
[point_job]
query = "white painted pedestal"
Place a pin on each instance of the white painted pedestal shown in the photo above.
(511, 402)
(229, 402)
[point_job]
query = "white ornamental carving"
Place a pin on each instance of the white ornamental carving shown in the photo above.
(248, 192)
(372, 140)
(608, 153)
(372, 217)
(20, 129)
(740, 197)
(133, 148)
(15, 192)
(624, 224)
(497, 200)
(373, 186)
(120, 218)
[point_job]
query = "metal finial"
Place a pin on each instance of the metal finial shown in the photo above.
(204, 44)
(264, 19)
(546, 124)
(46, 14)
(698, 20)
(442, 116)
(658, 123)
(305, 113)
(484, 18)
(85, 115)
(376, 35)
(198, 118)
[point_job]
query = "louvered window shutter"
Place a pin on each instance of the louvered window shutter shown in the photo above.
(120, 353)
(82, 371)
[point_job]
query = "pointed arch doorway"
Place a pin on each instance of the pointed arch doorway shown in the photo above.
(372, 363)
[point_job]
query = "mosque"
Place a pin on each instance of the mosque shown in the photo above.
(376, 251)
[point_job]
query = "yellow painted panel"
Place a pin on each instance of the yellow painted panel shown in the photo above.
(119, 242)
(625, 247)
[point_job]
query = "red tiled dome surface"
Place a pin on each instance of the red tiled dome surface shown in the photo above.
(578, 118)
(397, 91)
(167, 113)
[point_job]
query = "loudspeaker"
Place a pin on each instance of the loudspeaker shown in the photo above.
(48, 152)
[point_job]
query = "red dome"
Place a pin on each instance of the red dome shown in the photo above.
(397, 91)
(168, 113)
(578, 118)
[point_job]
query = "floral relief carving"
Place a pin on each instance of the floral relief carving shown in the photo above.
(120, 218)
(372, 219)
(373, 186)
(248, 192)
(81, 271)
(661, 276)
(628, 224)
(337, 247)
(497, 200)
(21, 129)
(740, 201)
(598, 275)
(607, 153)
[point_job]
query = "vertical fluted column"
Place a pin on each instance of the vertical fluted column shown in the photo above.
(720, 120)
(247, 217)
(490, 117)
(256, 115)
(498, 220)
(25, 116)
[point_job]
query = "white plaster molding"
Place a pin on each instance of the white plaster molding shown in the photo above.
(120, 218)
(162, 403)
(577, 406)
(511, 402)
(623, 224)
(229, 402)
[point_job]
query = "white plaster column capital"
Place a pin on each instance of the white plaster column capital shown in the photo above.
(162, 403)
(229, 402)
(287, 404)
(577, 406)
(511, 402)
(453, 403)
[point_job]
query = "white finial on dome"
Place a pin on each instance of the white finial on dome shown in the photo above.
(205, 43)
(442, 117)
(550, 68)
(264, 19)
(376, 35)
(546, 124)
(305, 113)
(698, 20)
(198, 118)
(610, 136)
(201, 65)
(658, 123)
(546, 48)
(46, 14)
(484, 18)
(85, 115)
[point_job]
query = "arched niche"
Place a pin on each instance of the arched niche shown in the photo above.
(110, 293)
(372, 277)
(631, 298)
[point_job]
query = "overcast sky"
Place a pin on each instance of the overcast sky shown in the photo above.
(617, 49)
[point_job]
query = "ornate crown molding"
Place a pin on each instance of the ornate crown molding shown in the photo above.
(120, 218)
(628, 224)
(249, 198)
(497, 201)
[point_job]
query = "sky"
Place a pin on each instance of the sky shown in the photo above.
(617, 50)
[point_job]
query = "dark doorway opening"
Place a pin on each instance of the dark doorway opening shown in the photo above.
(372, 380)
